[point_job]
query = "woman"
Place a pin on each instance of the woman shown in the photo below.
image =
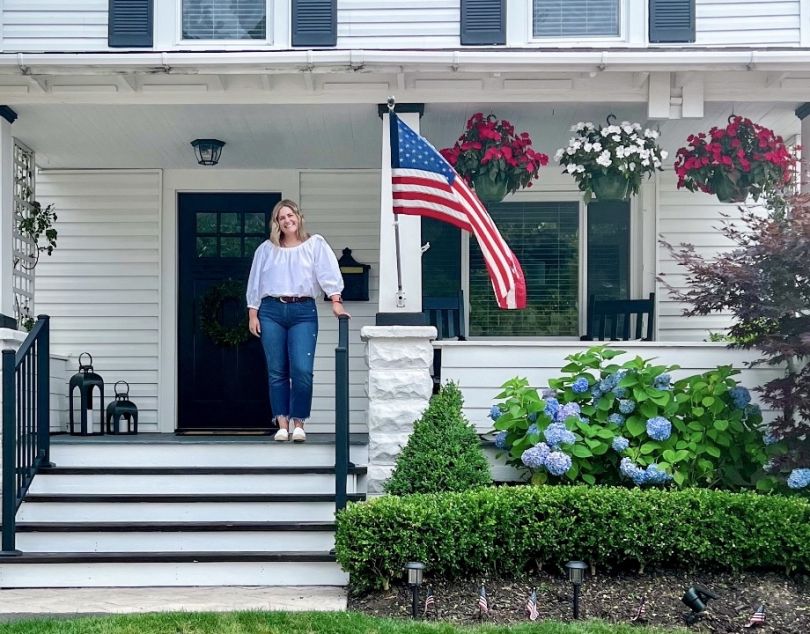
(289, 271)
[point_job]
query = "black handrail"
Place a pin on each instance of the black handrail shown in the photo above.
(342, 462)
(26, 423)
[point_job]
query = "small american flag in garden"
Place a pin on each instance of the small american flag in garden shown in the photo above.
(758, 618)
(483, 604)
(425, 184)
(641, 611)
(531, 606)
(430, 601)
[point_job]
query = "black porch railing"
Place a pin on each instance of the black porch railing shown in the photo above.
(342, 461)
(26, 422)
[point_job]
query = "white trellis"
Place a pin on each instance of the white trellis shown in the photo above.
(24, 250)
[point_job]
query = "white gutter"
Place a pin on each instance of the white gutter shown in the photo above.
(330, 60)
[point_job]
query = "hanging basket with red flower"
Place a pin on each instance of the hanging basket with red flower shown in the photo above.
(492, 158)
(742, 159)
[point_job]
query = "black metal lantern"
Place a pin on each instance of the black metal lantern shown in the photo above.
(355, 277)
(207, 151)
(415, 571)
(85, 380)
(120, 408)
(576, 574)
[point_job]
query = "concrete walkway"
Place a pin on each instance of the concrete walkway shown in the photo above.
(25, 603)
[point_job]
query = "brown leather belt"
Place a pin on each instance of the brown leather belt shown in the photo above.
(289, 299)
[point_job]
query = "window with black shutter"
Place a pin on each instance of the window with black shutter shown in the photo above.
(672, 21)
(130, 23)
(224, 19)
(483, 22)
(314, 22)
(575, 18)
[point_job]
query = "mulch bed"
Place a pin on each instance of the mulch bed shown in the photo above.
(614, 598)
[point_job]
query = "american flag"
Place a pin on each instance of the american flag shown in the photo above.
(425, 184)
(531, 606)
(430, 601)
(483, 604)
(758, 618)
(641, 611)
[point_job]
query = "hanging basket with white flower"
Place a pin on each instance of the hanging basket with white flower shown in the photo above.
(609, 162)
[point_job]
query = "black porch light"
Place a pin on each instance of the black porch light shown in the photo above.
(415, 570)
(207, 151)
(576, 573)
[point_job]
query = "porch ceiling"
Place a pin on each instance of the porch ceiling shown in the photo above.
(311, 136)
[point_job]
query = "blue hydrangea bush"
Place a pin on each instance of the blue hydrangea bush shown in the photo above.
(604, 422)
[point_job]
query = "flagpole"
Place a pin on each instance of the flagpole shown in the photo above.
(391, 136)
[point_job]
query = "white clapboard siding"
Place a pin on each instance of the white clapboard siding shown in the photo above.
(481, 368)
(101, 286)
(398, 23)
(344, 207)
(692, 218)
(58, 392)
(54, 25)
(748, 22)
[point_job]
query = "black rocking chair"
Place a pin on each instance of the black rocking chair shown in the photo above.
(616, 319)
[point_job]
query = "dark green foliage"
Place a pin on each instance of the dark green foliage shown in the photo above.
(443, 452)
(509, 530)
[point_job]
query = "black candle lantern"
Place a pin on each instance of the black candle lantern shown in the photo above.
(120, 408)
(85, 380)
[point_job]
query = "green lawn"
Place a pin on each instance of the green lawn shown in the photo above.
(290, 623)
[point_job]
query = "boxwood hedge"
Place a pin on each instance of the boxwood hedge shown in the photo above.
(510, 530)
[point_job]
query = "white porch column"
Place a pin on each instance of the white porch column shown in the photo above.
(803, 112)
(410, 233)
(399, 388)
(7, 117)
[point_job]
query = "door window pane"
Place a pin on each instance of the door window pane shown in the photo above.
(224, 19)
(609, 250)
(252, 243)
(206, 247)
(254, 223)
(545, 239)
(574, 18)
(206, 222)
(230, 247)
(229, 223)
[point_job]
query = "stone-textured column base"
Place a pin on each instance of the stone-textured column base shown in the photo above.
(399, 389)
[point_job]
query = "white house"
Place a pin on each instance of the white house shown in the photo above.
(105, 96)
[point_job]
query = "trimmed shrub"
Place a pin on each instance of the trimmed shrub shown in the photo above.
(512, 530)
(443, 452)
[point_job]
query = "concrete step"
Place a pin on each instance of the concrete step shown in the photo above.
(178, 508)
(190, 480)
(127, 569)
(175, 536)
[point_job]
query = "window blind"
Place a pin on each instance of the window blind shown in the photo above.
(545, 238)
(571, 18)
(224, 19)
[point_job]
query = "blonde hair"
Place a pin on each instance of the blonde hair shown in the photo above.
(275, 228)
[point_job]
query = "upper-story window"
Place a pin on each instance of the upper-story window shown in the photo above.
(224, 19)
(575, 18)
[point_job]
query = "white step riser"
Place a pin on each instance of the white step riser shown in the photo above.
(266, 454)
(198, 484)
(111, 575)
(176, 512)
(311, 541)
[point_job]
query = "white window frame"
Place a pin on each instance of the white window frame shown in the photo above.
(169, 29)
(636, 257)
(632, 27)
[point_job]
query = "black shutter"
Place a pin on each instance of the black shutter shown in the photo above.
(314, 22)
(130, 23)
(483, 22)
(672, 21)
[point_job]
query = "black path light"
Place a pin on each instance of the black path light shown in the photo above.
(207, 151)
(576, 573)
(415, 570)
(696, 598)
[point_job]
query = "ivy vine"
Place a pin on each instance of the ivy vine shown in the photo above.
(211, 306)
(38, 224)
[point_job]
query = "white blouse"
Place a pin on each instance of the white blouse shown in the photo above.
(300, 271)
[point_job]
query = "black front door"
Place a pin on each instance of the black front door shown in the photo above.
(221, 387)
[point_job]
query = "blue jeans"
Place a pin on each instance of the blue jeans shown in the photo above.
(289, 333)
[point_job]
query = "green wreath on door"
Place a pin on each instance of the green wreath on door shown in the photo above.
(211, 307)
